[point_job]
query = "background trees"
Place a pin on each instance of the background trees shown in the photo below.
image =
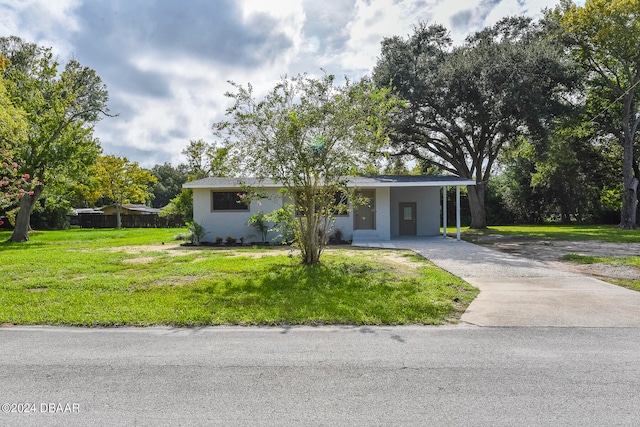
(604, 35)
(121, 181)
(466, 103)
(169, 183)
(307, 135)
(60, 109)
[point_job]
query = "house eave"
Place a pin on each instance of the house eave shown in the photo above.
(357, 182)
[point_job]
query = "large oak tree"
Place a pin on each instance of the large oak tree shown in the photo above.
(465, 103)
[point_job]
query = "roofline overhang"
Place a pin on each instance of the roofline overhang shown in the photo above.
(372, 184)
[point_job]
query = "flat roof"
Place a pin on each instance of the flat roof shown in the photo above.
(354, 181)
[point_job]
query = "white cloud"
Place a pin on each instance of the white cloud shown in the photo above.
(167, 74)
(44, 22)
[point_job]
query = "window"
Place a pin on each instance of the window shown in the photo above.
(228, 201)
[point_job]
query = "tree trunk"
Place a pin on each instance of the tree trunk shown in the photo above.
(118, 216)
(476, 205)
(21, 230)
(630, 188)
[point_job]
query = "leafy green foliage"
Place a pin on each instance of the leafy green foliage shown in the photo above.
(13, 125)
(260, 223)
(121, 181)
(181, 205)
(196, 232)
(307, 135)
(169, 183)
(60, 111)
(604, 36)
(51, 213)
(206, 159)
(466, 103)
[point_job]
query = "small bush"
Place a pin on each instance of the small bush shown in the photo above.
(230, 240)
(184, 237)
(336, 237)
(196, 231)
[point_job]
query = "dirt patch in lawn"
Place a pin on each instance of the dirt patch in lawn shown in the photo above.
(552, 251)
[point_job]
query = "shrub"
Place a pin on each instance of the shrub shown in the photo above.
(196, 232)
(51, 213)
(259, 221)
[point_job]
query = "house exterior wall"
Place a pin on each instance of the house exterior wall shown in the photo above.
(231, 223)
(382, 223)
(234, 223)
(427, 206)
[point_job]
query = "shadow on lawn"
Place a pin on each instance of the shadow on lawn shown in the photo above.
(5, 245)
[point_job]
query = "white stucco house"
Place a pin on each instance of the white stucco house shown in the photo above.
(402, 205)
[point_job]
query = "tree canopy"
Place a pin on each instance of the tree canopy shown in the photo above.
(465, 103)
(60, 110)
(306, 134)
(604, 35)
(121, 181)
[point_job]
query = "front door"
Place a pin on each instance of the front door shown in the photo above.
(408, 219)
(364, 217)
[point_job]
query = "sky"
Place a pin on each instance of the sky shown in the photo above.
(167, 63)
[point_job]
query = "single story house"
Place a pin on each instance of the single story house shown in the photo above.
(400, 205)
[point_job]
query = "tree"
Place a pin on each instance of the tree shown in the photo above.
(307, 135)
(604, 36)
(205, 159)
(169, 183)
(13, 126)
(60, 111)
(121, 181)
(13, 185)
(466, 103)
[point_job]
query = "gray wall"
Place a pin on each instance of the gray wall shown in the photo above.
(427, 206)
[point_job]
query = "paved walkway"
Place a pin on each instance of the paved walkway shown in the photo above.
(516, 291)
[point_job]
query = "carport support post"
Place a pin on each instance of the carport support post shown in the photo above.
(458, 212)
(444, 211)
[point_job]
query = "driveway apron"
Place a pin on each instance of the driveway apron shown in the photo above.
(516, 291)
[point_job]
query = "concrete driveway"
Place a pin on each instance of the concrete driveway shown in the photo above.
(516, 291)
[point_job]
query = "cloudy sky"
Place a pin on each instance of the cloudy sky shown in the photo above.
(166, 63)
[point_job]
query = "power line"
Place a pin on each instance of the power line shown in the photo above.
(593, 120)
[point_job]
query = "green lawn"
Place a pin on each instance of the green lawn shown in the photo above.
(633, 261)
(128, 277)
(605, 233)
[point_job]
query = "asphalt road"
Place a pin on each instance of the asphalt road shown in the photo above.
(387, 376)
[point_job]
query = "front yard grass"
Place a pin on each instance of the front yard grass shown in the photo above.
(129, 277)
(605, 233)
(633, 261)
(574, 233)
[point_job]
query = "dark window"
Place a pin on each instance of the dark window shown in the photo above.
(229, 201)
